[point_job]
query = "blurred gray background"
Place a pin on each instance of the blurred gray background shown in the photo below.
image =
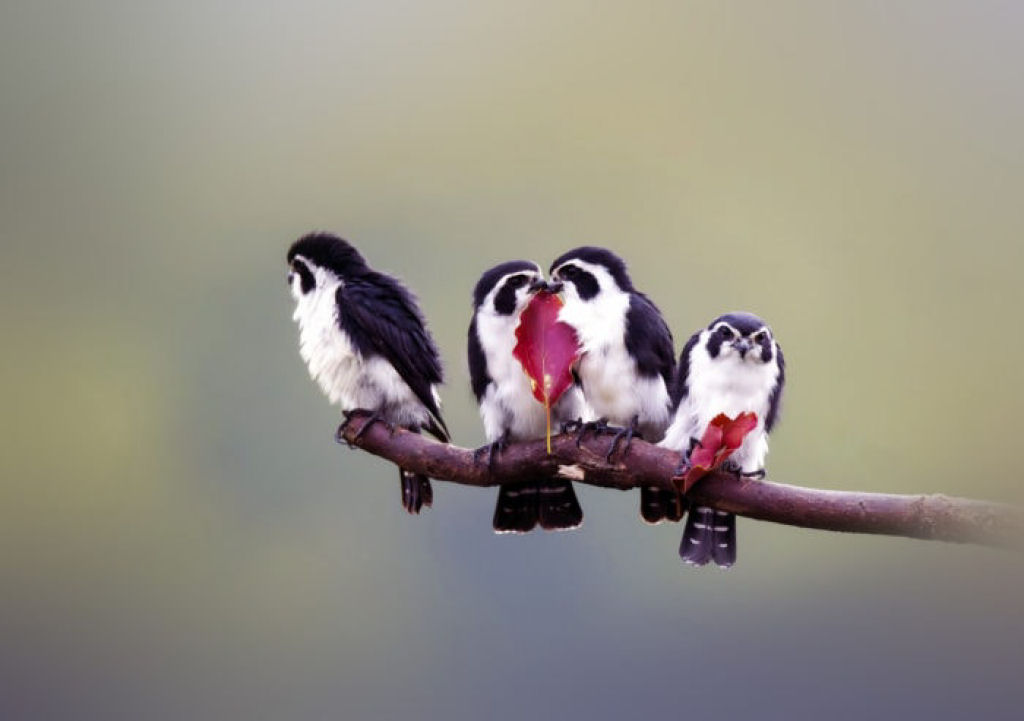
(182, 539)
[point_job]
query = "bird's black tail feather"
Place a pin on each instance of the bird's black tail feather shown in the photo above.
(516, 509)
(557, 506)
(551, 504)
(709, 535)
(657, 505)
(416, 491)
(438, 431)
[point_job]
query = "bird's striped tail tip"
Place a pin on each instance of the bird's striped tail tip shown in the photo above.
(709, 535)
(522, 507)
(657, 505)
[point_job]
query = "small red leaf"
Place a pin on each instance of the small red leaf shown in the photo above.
(547, 349)
(736, 430)
(721, 438)
(703, 456)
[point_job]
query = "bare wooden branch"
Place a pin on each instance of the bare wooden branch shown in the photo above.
(933, 516)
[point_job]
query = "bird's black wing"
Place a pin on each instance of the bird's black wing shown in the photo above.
(776, 396)
(648, 339)
(478, 375)
(680, 385)
(382, 318)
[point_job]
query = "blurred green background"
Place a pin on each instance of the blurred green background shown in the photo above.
(182, 539)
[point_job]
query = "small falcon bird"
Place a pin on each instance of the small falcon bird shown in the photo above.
(366, 344)
(627, 357)
(732, 366)
(507, 406)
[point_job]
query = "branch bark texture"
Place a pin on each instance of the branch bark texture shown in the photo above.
(933, 516)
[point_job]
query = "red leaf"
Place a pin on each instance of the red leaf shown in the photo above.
(721, 438)
(737, 429)
(703, 456)
(547, 349)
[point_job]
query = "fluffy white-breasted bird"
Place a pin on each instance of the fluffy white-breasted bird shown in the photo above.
(505, 397)
(366, 344)
(627, 357)
(732, 366)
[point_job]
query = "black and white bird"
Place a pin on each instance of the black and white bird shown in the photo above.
(627, 357)
(366, 344)
(732, 366)
(507, 406)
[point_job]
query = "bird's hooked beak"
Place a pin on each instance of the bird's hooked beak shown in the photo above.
(537, 285)
(742, 345)
(554, 286)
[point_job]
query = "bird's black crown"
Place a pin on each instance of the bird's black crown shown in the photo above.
(744, 323)
(615, 265)
(328, 251)
(491, 277)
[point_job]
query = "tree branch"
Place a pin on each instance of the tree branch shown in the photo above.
(933, 516)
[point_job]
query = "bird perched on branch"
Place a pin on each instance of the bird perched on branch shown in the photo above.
(507, 406)
(366, 344)
(627, 357)
(733, 366)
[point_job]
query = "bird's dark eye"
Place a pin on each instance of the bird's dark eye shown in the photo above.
(725, 332)
(567, 271)
(505, 298)
(308, 282)
(760, 336)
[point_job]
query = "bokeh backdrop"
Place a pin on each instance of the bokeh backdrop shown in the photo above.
(182, 539)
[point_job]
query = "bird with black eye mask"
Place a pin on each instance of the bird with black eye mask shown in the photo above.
(505, 397)
(733, 366)
(366, 344)
(626, 356)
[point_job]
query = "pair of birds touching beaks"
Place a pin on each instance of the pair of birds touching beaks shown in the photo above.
(366, 344)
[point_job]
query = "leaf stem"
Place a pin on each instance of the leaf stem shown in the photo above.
(547, 407)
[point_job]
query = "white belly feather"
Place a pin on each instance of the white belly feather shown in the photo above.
(728, 386)
(611, 384)
(345, 376)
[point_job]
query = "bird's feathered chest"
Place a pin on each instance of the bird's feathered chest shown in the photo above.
(600, 323)
(497, 335)
(507, 402)
(612, 382)
(329, 353)
(729, 386)
(347, 377)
